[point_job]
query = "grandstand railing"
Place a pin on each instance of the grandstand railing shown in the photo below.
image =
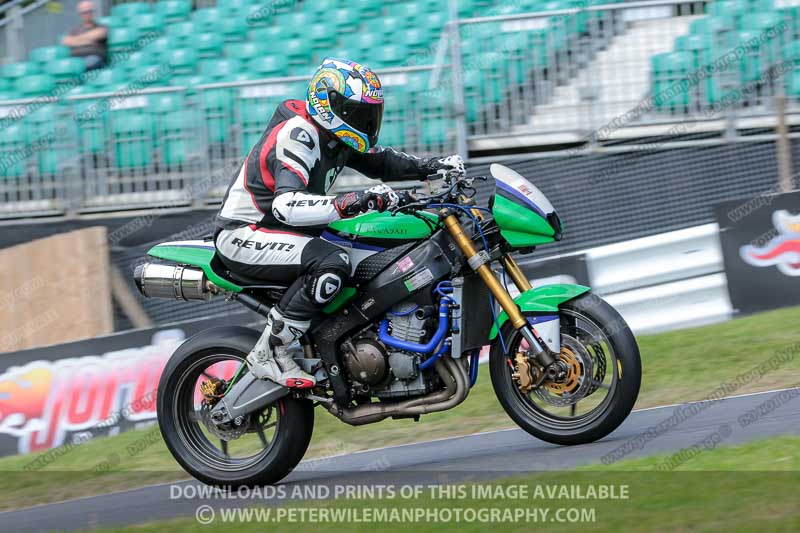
(171, 146)
(593, 68)
(574, 74)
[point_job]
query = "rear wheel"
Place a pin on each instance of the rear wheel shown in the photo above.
(600, 386)
(262, 449)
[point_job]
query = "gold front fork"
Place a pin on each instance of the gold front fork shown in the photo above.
(516, 274)
(453, 226)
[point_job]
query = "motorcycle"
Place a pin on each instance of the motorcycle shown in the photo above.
(402, 340)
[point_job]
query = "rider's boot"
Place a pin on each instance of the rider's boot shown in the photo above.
(270, 359)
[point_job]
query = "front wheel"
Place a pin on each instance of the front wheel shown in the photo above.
(262, 449)
(601, 382)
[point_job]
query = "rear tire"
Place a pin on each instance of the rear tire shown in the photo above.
(295, 417)
(627, 379)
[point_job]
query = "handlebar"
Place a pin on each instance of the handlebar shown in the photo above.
(458, 183)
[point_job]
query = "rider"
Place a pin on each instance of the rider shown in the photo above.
(278, 201)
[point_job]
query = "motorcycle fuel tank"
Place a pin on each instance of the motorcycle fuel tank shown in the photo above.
(378, 231)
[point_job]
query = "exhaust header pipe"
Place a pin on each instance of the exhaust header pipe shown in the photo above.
(177, 282)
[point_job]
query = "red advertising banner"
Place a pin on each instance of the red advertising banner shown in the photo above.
(69, 393)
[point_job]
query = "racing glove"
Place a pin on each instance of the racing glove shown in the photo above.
(444, 164)
(379, 198)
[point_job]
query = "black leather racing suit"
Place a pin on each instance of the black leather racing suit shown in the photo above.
(277, 203)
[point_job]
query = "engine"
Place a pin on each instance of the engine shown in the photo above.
(390, 373)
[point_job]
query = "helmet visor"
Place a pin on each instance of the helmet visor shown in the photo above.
(361, 116)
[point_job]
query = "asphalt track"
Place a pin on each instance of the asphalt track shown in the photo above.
(480, 456)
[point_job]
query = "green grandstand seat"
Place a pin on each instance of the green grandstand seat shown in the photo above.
(66, 70)
(160, 47)
(668, 70)
(46, 54)
(417, 39)
(265, 66)
(173, 10)
(34, 85)
(217, 107)
(297, 50)
(43, 123)
(6, 85)
(392, 133)
(321, 38)
(13, 139)
(366, 41)
(297, 23)
(149, 22)
(344, 20)
(791, 14)
(132, 138)
(174, 137)
(762, 23)
(206, 19)
(435, 22)
(105, 77)
(187, 80)
(410, 11)
(268, 36)
(235, 6)
(183, 30)
(793, 84)
(18, 70)
(245, 51)
(791, 53)
(699, 45)
(391, 54)
(122, 38)
(139, 59)
(130, 10)
(370, 8)
(434, 133)
(731, 9)
(711, 25)
(220, 69)
(233, 28)
(182, 60)
(91, 129)
(207, 44)
(386, 26)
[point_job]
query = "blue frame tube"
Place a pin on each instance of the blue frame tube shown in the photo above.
(427, 363)
(438, 336)
(473, 366)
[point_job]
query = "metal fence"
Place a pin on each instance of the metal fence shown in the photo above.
(592, 69)
(170, 146)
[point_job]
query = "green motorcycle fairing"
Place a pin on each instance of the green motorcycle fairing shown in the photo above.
(544, 299)
(523, 213)
(195, 253)
(376, 226)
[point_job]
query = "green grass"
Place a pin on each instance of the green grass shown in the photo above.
(677, 367)
(750, 487)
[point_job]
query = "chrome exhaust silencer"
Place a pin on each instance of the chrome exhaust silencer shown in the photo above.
(177, 282)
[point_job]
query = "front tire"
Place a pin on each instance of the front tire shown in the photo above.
(596, 326)
(191, 445)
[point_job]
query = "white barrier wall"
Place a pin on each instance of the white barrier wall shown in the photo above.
(663, 282)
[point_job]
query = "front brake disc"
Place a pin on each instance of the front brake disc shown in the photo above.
(577, 383)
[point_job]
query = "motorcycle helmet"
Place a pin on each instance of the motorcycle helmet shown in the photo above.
(346, 99)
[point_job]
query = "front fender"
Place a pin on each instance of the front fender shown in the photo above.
(544, 299)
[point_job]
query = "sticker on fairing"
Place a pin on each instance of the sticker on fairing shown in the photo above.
(405, 264)
(419, 280)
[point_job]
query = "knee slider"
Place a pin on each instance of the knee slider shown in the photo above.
(325, 286)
